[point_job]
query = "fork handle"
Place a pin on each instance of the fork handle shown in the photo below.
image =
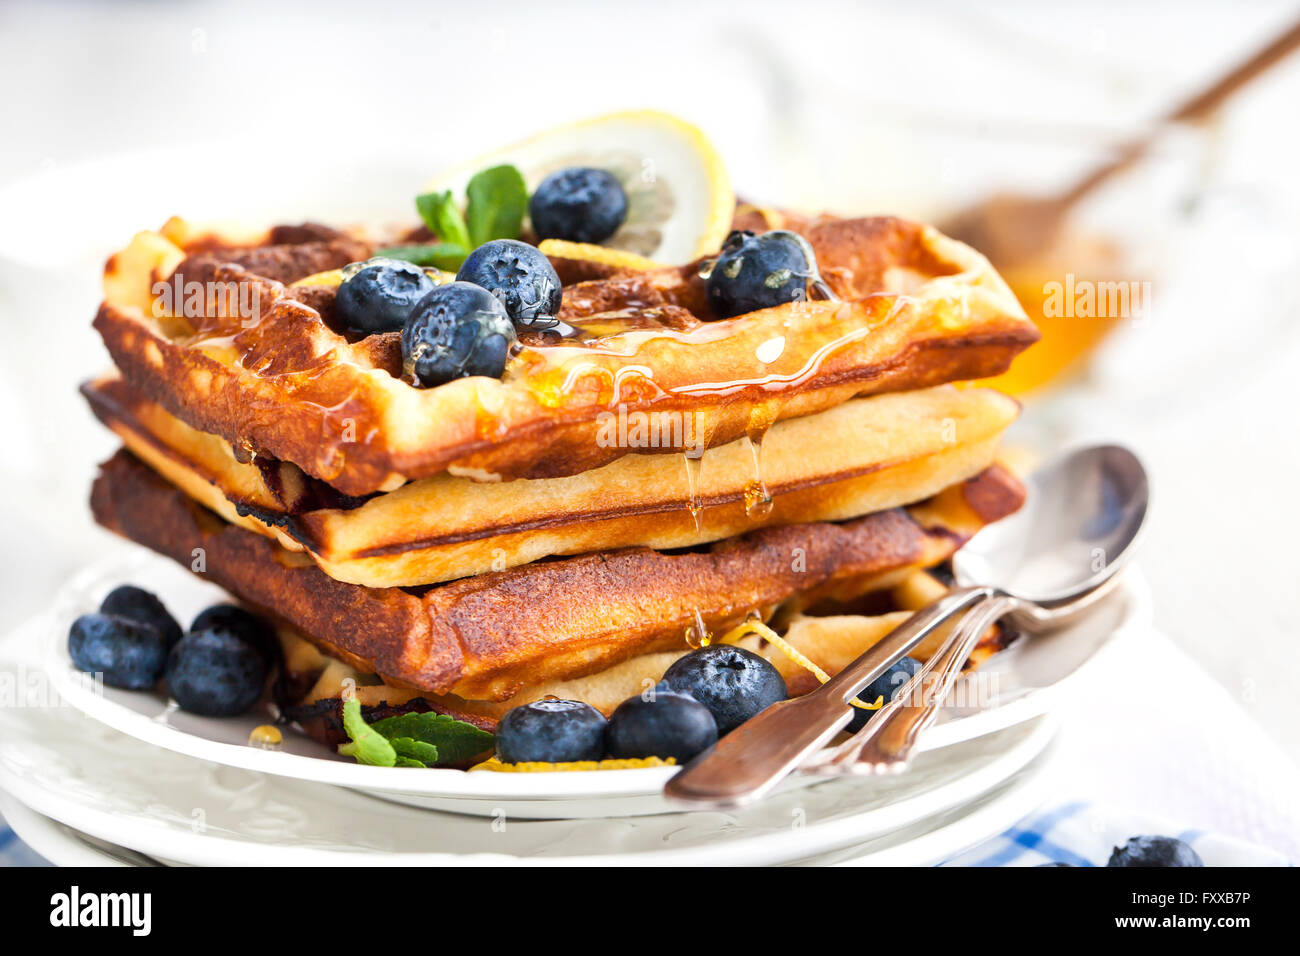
(890, 745)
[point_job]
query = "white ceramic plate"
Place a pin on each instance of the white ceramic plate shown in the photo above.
(1026, 681)
(929, 841)
(85, 775)
(60, 844)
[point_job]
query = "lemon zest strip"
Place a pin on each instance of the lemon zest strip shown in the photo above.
(538, 766)
(746, 628)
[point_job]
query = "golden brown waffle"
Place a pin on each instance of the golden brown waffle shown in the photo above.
(485, 638)
(918, 310)
(867, 455)
(312, 688)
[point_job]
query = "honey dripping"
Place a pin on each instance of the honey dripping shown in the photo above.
(266, 737)
(697, 635)
(694, 504)
(758, 499)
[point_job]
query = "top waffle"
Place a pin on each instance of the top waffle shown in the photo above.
(916, 309)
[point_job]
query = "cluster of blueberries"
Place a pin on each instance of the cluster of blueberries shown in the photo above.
(467, 327)
(218, 668)
(703, 696)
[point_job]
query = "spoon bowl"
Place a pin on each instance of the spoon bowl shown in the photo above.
(1083, 514)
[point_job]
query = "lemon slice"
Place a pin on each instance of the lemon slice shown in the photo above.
(596, 255)
(679, 195)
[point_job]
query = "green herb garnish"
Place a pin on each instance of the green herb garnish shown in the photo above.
(443, 218)
(367, 745)
(455, 740)
(495, 202)
(446, 256)
(497, 199)
(410, 740)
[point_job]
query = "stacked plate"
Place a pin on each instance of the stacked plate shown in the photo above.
(98, 775)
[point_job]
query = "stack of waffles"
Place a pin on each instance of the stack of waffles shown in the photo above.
(570, 529)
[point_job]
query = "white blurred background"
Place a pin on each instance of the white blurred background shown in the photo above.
(118, 114)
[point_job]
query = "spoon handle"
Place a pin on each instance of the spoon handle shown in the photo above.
(761, 752)
(890, 738)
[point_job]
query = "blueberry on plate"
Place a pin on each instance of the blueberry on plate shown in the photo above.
(456, 330)
(215, 674)
(244, 625)
(129, 654)
(552, 731)
(377, 295)
(663, 723)
(886, 685)
(517, 274)
(137, 604)
(1154, 851)
(579, 204)
(735, 684)
(755, 272)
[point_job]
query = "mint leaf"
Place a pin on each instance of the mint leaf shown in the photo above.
(497, 199)
(441, 255)
(443, 218)
(426, 755)
(367, 746)
(455, 740)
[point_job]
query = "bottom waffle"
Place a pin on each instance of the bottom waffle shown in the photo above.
(311, 690)
(488, 638)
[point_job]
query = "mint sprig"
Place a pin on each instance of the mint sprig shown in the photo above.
(495, 202)
(410, 740)
(443, 218)
(367, 745)
(446, 256)
(455, 740)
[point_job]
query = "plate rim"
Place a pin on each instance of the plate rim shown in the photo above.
(183, 845)
(1007, 802)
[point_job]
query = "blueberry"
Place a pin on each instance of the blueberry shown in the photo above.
(1055, 864)
(215, 673)
(553, 731)
(129, 654)
(517, 274)
(1154, 851)
(579, 204)
(662, 724)
(245, 625)
(886, 685)
(137, 604)
(456, 330)
(377, 295)
(735, 684)
(755, 272)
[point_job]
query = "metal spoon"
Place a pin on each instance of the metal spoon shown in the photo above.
(1049, 563)
(1051, 559)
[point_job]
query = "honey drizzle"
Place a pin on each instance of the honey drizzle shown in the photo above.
(697, 634)
(694, 503)
(758, 499)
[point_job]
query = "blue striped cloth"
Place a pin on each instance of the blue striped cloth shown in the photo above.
(1083, 834)
(14, 852)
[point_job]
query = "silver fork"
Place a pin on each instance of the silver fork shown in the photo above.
(886, 744)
